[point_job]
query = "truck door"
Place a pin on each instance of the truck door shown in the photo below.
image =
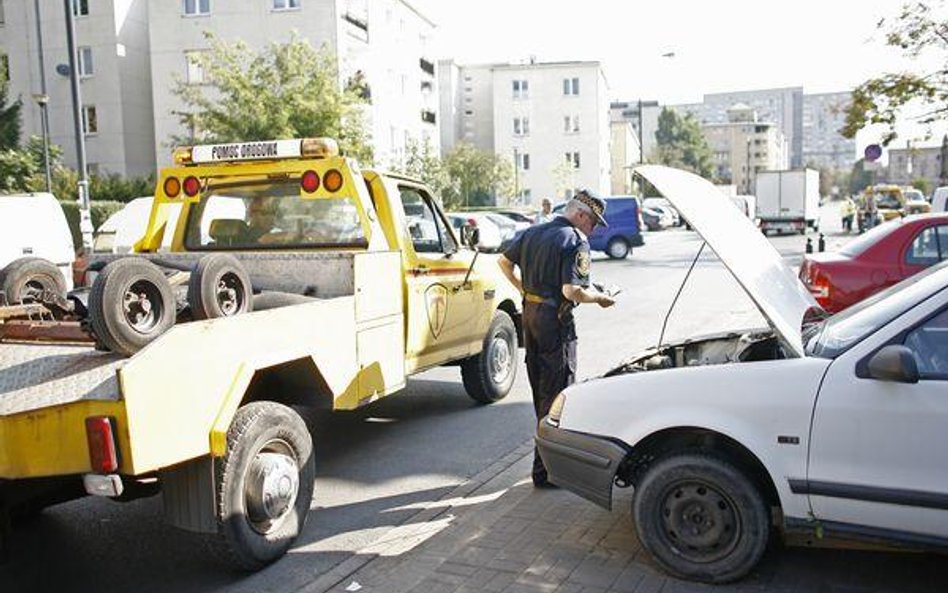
(440, 305)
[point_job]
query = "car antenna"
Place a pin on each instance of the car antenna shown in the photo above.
(661, 336)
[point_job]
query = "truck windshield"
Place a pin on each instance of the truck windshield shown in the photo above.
(270, 214)
(888, 199)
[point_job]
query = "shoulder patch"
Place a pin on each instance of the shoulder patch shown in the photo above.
(582, 262)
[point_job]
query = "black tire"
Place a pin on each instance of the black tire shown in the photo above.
(219, 287)
(618, 248)
(488, 376)
(268, 446)
(26, 279)
(701, 518)
(131, 303)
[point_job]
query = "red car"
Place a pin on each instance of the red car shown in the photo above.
(883, 256)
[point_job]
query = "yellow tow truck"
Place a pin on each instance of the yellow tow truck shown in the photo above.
(294, 278)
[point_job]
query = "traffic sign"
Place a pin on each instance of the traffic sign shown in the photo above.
(872, 152)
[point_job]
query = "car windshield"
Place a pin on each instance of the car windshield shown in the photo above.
(843, 330)
(888, 199)
(863, 242)
(270, 215)
(914, 194)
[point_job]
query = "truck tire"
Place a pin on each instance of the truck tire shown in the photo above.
(488, 376)
(219, 287)
(617, 248)
(131, 303)
(264, 485)
(26, 279)
(701, 518)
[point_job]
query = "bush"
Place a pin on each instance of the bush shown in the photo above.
(100, 212)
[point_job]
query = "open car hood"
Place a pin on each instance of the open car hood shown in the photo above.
(755, 263)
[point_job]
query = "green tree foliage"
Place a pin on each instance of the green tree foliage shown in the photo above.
(477, 177)
(9, 114)
(861, 177)
(920, 28)
(923, 185)
(286, 90)
(17, 168)
(423, 162)
(681, 143)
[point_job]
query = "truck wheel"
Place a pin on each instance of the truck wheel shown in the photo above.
(264, 485)
(131, 304)
(489, 375)
(617, 248)
(701, 518)
(219, 287)
(25, 280)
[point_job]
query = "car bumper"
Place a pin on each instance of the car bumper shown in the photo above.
(582, 463)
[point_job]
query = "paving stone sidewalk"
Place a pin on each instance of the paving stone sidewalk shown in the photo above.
(497, 533)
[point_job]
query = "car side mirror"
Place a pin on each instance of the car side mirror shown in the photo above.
(471, 235)
(894, 363)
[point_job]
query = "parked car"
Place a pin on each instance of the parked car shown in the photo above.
(817, 425)
(652, 219)
(523, 221)
(625, 220)
(508, 228)
(664, 206)
(491, 236)
(940, 199)
(885, 255)
(36, 249)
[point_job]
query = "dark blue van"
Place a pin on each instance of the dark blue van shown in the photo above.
(625, 227)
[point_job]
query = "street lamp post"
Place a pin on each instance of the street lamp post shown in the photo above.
(85, 219)
(41, 98)
(641, 135)
(516, 157)
(747, 181)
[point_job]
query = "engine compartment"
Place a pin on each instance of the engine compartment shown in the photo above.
(748, 346)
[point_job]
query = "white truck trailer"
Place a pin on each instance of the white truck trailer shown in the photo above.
(788, 201)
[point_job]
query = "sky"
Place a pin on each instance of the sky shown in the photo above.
(718, 45)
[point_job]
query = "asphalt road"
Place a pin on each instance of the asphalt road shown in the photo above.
(377, 466)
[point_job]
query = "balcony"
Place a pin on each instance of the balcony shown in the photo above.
(426, 66)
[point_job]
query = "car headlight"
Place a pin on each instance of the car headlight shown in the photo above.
(556, 410)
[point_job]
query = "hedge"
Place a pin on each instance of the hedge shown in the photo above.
(100, 211)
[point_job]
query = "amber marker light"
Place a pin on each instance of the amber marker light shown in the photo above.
(172, 187)
(332, 180)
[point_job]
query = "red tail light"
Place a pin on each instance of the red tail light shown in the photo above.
(101, 439)
(191, 186)
(309, 181)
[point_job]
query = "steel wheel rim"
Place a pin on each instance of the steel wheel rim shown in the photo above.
(616, 249)
(699, 521)
(271, 486)
(230, 294)
(142, 306)
(500, 359)
(32, 291)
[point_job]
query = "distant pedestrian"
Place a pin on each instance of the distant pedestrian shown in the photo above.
(546, 211)
(847, 211)
(553, 258)
(872, 210)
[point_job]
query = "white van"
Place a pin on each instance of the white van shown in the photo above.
(34, 225)
(940, 199)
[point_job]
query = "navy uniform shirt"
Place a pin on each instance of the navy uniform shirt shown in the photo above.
(550, 255)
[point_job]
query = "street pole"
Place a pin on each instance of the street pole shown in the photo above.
(747, 181)
(516, 175)
(42, 99)
(85, 220)
(641, 135)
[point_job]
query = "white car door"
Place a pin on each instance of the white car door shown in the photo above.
(877, 457)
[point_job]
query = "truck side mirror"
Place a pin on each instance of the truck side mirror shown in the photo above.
(894, 363)
(470, 235)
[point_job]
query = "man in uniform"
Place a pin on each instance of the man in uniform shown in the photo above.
(553, 258)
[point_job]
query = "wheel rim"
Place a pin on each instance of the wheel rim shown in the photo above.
(32, 291)
(271, 486)
(617, 249)
(142, 306)
(500, 359)
(699, 521)
(230, 294)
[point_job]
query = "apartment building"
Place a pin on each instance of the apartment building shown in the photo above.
(628, 111)
(918, 162)
(626, 153)
(744, 145)
(824, 114)
(133, 52)
(550, 119)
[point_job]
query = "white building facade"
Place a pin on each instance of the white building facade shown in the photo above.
(744, 146)
(824, 114)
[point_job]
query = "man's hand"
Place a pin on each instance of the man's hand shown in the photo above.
(604, 300)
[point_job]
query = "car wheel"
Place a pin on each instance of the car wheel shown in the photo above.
(488, 376)
(701, 518)
(219, 287)
(617, 248)
(131, 304)
(264, 485)
(27, 279)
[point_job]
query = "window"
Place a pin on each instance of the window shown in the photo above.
(524, 162)
(4, 67)
(571, 124)
(521, 126)
(926, 249)
(286, 4)
(80, 7)
(197, 7)
(195, 68)
(90, 123)
(521, 89)
(570, 86)
(425, 226)
(3, 18)
(86, 66)
(573, 159)
(929, 343)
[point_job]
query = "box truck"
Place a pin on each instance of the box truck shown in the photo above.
(788, 201)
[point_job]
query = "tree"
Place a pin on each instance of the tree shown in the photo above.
(923, 185)
(681, 143)
(424, 163)
(860, 178)
(9, 114)
(287, 90)
(917, 29)
(477, 177)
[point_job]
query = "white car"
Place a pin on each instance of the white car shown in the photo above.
(36, 249)
(670, 216)
(491, 236)
(817, 425)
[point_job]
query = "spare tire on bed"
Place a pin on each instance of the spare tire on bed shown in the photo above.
(131, 304)
(219, 287)
(27, 279)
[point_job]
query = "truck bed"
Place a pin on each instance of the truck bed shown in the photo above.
(34, 376)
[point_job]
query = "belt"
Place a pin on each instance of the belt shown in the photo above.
(535, 298)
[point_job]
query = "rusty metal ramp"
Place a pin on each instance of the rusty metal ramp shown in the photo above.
(34, 376)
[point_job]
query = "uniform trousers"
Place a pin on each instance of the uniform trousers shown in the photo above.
(550, 343)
